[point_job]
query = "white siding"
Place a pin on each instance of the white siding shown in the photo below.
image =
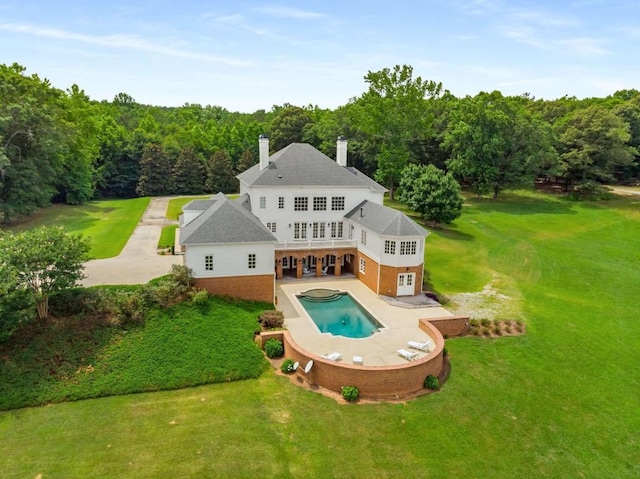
(230, 259)
(287, 216)
(403, 260)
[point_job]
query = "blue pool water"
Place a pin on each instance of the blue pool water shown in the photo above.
(341, 316)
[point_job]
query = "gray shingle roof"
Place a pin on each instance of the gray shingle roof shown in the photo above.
(385, 221)
(225, 221)
(200, 205)
(300, 164)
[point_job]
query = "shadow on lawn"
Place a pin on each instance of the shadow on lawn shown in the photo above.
(522, 203)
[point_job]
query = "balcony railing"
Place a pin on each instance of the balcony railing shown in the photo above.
(315, 244)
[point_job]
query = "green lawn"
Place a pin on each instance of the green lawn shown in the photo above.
(561, 401)
(167, 236)
(108, 223)
(184, 345)
(176, 204)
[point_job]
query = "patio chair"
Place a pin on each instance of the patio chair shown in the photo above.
(306, 271)
(408, 355)
(335, 356)
(425, 346)
(324, 270)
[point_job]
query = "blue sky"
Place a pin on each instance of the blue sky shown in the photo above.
(248, 55)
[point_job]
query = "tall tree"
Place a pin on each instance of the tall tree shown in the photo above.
(392, 112)
(44, 260)
(289, 127)
(593, 142)
(188, 173)
(495, 143)
(156, 175)
(220, 173)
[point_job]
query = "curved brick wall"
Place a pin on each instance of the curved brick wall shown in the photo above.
(380, 382)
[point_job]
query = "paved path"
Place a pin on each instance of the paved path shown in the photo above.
(138, 262)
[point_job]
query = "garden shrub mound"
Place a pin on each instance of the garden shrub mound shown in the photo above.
(79, 357)
(496, 328)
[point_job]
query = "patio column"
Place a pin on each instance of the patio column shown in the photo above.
(279, 268)
(318, 266)
(298, 267)
(337, 269)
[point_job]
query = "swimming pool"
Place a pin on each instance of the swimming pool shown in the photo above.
(340, 315)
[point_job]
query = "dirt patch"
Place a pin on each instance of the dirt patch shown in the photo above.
(486, 304)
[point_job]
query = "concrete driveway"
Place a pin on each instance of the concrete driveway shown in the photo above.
(138, 262)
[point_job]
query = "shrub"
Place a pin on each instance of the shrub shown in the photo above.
(485, 322)
(445, 352)
(590, 190)
(273, 348)
(271, 319)
(287, 366)
(497, 330)
(200, 296)
(486, 331)
(350, 393)
(129, 307)
(474, 323)
(182, 276)
(431, 382)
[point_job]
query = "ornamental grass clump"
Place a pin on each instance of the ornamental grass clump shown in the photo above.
(287, 366)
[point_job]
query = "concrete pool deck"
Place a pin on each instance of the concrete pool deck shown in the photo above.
(380, 349)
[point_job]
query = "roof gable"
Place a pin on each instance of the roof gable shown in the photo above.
(225, 221)
(385, 221)
(300, 164)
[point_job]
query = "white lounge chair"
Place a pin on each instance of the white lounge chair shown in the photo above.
(335, 356)
(408, 355)
(425, 346)
(324, 270)
(306, 271)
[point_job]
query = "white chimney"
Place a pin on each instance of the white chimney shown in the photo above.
(263, 149)
(341, 151)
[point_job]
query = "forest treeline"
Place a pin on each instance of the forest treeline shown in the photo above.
(62, 146)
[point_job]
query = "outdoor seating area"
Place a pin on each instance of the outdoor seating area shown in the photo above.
(408, 355)
(425, 346)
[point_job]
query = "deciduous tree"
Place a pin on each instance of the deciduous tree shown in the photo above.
(43, 261)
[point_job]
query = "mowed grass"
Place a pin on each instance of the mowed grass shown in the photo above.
(561, 401)
(108, 223)
(185, 345)
(174, 209)
(167, 236)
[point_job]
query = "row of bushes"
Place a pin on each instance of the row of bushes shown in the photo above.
(487, 327)
(126, 305)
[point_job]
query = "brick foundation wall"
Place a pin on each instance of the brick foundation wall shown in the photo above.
(448, 325)
(253, 288)
(389, 278)
(370, 276)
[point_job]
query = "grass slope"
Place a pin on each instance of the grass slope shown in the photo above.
(181, 346)
(561, 401)
(108, 223)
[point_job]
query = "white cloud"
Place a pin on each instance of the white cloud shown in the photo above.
(287, 12)
(584, 46)
(130, 42)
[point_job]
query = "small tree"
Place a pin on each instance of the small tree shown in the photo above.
(43, 261)
(432, 193)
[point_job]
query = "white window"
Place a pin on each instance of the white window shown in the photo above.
(281, 202)
(363, 237)
(300, 231)
(319, 203)
(408, 247)
(363, 265)
(301, 203)
(251, 260)
(336, 229)
(271, 226)
(318, 230)
(208, 262)
(389, 247)
(337, 203)
(263, 202)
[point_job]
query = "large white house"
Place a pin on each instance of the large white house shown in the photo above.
(299, 214)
